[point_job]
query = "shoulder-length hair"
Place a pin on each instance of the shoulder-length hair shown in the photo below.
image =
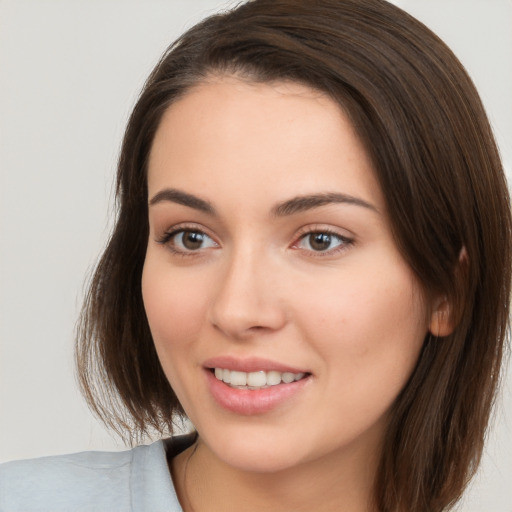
(422, 123)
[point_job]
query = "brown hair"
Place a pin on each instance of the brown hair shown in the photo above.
(423, 124)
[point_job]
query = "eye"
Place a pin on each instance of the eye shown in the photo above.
(322, 241)
(187, 240)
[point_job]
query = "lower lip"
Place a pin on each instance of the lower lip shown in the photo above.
(253, 401)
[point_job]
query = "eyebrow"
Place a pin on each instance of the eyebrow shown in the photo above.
(290, 207)
(307, 202)
(178, 196)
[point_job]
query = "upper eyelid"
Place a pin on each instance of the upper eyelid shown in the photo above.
(188, 226)
(325, 228)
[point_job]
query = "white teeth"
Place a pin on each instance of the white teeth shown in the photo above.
(238, 378)
(273, 378)
(288, 377)
(255, 380)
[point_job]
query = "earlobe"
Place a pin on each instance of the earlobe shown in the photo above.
(441, 320)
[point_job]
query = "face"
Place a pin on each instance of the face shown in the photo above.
(283, 315)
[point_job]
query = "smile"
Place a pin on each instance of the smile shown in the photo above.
(255, 380)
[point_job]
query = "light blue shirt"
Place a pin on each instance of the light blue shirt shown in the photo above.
(130, 481)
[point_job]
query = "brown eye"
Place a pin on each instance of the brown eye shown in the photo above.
(187, 240)
(319, 241)
(192, 240)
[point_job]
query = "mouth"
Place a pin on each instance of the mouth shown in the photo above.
(252, 386)
(255, 380)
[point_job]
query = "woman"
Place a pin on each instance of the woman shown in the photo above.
(311, 261)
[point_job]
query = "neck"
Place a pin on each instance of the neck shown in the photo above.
(339, 481)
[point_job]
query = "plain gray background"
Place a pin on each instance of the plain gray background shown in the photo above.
(70, 71)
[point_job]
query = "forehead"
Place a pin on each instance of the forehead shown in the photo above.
(259, 137)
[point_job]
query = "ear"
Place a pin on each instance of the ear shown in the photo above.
(441, 319)
(444, 318)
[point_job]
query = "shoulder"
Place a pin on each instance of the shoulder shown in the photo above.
(66, 481)
(136, 479)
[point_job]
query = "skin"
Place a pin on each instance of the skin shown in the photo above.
(353, 315)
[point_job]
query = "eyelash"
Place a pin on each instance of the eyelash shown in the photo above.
(345, 242)
(166, 238)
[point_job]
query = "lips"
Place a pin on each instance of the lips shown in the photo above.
(253, 386)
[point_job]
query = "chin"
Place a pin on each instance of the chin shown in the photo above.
(254, 453)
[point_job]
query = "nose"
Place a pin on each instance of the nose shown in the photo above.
(247, 300)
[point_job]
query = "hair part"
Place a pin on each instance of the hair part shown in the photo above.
(421, 121)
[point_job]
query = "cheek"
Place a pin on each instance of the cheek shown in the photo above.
(174, 304)
(368, 328)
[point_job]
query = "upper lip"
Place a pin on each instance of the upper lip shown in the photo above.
(251, 364)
